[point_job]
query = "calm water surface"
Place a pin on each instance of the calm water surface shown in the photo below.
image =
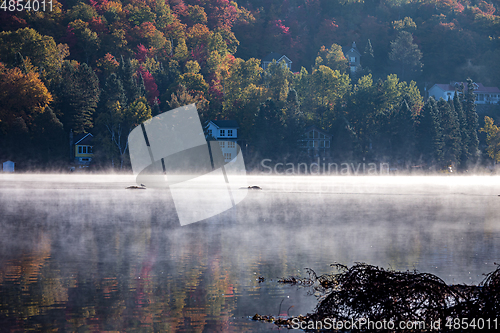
(81, 253)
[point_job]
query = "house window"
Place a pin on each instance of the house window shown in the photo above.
(84, 150)
(353, 68)
(229, 132)
(480, 97)
(209, 132)
(227, 156)
(353, 59)
(222, 144)
(230, 144)
(222, 132)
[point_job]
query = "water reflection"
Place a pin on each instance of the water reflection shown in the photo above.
(90, 256)
(140, 278)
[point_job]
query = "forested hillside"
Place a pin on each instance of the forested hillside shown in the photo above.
(104, 66)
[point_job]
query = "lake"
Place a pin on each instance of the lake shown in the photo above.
(82, 253)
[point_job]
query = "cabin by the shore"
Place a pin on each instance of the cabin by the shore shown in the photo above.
(83, 150)
(226, 133)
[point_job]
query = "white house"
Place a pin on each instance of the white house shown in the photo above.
(278, 57)
(226, 133)
(484, 95)
(8, 166)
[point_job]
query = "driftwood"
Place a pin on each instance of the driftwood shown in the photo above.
(373, 294)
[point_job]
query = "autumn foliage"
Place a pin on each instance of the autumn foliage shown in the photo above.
(170, 51)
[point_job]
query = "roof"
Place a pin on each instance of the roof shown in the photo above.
(351, 48)
(480, 88)
(275, 56)
(317, 129)
(225, 123)
(84, 139)
(484, 89)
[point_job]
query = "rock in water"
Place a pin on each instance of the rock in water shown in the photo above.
(136, 187)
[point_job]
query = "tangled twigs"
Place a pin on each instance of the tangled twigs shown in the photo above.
(376, 294)
(292, 280)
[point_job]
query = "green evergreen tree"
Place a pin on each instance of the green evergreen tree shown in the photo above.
(18, 144)
(403, 135)
(269, 137)
(78, 96)
(294, 121)
(471, 123)
(111, 134)
(368, 56)
(49, 137)
(113, 91)
(451, 132)
(129, 80)
(429, 135)
(362, 112)
(156, 108)
(464, 134)
(167, 77)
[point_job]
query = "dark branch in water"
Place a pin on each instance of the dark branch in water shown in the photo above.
(376, 294)
(292, 280)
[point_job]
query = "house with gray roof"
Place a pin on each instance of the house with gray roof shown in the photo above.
(353, 56)
(278, 58)
(226, 133)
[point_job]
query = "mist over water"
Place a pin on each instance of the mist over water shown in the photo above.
(81, 252)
